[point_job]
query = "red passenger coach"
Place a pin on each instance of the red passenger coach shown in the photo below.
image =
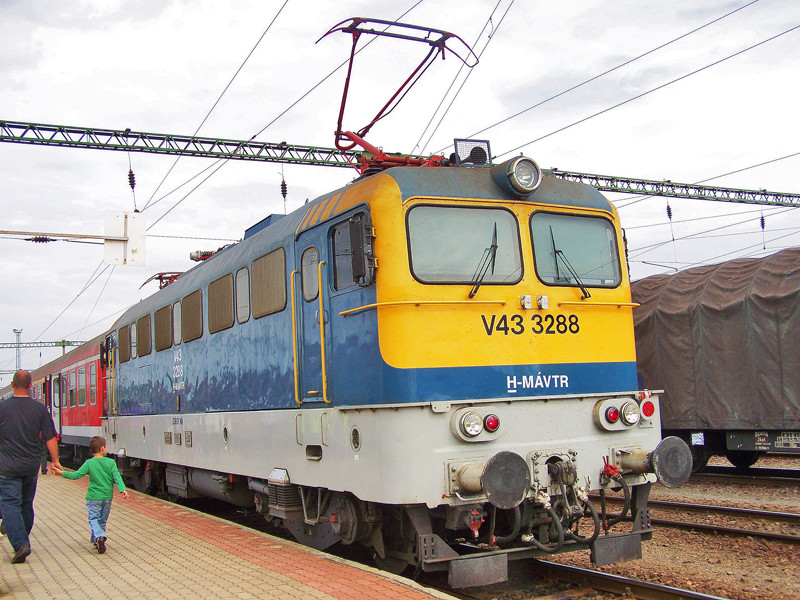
(73, 389)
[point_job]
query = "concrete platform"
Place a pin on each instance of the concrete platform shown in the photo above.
(161, 550)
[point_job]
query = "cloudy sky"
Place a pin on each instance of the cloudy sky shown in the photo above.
(160, 66)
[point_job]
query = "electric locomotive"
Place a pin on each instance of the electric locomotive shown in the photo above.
(435, 362)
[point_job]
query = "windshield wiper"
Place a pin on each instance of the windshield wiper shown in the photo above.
(560, 253)
(486, 263)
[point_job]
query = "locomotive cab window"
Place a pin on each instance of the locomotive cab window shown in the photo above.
(570, 246)
(309, 273)
(342, 257)
(449, 244)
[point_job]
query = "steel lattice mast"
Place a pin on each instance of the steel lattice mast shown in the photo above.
(229, 149)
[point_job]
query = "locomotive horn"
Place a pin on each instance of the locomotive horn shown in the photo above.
(504, 478)
(671, 461)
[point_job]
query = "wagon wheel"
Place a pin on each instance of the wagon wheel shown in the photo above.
(742, 459)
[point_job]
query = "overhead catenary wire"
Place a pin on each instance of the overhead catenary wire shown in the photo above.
(222, 161)
(604, 73)
(208, 114)
(458, 73)
(650, 91)
(88, 316)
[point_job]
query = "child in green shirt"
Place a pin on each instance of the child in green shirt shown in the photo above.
(103, 474)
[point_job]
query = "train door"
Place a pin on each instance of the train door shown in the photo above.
(108, 358)
(310, 306)
(55, 400)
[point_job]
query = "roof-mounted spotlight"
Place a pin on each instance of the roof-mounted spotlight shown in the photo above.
(520, 176)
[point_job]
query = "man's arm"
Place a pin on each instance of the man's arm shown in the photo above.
(52, 447)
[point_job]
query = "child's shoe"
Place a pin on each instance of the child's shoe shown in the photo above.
(101, 545)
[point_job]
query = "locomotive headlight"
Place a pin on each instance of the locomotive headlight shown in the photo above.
(519, 176)
(524, 175)
(612, 414)
(630, 413)
(471, 423)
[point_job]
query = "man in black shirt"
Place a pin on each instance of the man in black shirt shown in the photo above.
(22, 420)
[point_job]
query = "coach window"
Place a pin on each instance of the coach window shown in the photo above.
(143, 338)
(192, 316)
(451, 244)
(309, 273)
(176, 323)
(566, 246)
(64, 390)
(92, 384)
(162, 327)
(268, 275)
(134, 340)
(124, 344)
(242, 295)
(82, 386)
(56, 391)
(220, 304)
(72, 386)
(342, 257)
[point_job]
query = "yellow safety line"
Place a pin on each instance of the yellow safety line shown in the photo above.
(322, 333)
(418, 303)
(617, 304)
(294, 343)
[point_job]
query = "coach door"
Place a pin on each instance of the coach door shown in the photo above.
(54, 399)
(310, 307)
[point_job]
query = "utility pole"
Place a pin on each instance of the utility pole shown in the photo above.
(18, 333)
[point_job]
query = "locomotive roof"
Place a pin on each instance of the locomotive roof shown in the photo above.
(447, 182)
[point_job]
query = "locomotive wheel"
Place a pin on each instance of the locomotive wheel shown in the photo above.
(742, 459)
(390, 564)
(400, 542)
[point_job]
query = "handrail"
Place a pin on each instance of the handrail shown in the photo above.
(112, 360)
(294, 341)
(344, 313)
(322, 333)
(617, 304)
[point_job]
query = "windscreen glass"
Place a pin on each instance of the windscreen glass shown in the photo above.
(574, 250)
(458, 245)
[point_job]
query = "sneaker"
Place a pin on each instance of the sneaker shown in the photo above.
(101, 545)
(2, 529)
(21, 554)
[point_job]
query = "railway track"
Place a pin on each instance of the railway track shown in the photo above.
(728, 513)
(752, 476)
(587, 582)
